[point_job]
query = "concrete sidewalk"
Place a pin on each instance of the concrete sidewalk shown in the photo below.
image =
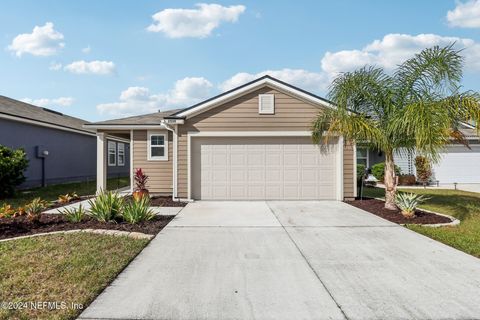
(291, 260)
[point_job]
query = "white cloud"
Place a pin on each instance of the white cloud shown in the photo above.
(43, 41)
(194, 23)
(393, 49)
(138, 100)
(55, 66)
(45, 102)
(313, 81)
(465, 15)
(91, 67)
(87, 50)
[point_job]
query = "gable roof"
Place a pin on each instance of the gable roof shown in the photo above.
(20, 111)
(248, 87)
(155, 119)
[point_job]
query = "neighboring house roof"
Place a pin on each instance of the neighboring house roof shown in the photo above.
(154, 119)
(24, 112)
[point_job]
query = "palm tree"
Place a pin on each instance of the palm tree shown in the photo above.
(417, 107)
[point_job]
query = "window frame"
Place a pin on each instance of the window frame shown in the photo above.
(260, 96)
(110, 143)
(366, 158)
(121, 144)
(149, 146)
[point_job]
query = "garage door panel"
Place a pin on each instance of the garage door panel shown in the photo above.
(459, 165)
(262, 168)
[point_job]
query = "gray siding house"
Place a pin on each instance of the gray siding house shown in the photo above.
(59, 149)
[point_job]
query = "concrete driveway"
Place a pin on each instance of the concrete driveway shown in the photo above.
(291, 260)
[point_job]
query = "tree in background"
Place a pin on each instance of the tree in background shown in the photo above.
(418, 107)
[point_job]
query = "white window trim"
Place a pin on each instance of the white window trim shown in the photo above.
(120, 144)
(165, 139)
(366, 158)
(114, 163)
(260, 96)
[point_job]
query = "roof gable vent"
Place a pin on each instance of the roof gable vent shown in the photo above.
(266, 104)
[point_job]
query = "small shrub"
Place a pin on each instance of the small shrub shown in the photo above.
(74, 215)
(7, 211)
(378, 170)
(69, 197)
(35, 208)
(408, 203)
(140, 184)
(106, 206)
(13, 163)
(360, 171)
(424, 169)
(406, 180)
(20, 212)
(138, 210)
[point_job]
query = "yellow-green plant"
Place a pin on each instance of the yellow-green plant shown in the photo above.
(138, 210)
(6, 211)
(106, 206)
(408, 203)
(74, 215)
(35, 208)
(69, 197)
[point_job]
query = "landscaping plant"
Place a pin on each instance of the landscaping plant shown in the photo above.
(408, 203)
(107, 206)
(13, 163)
(140, 184)
(35, 208)
(7, 211)
(378, 171)
(424, 169)
(417, 107)
(138, 210)
(69, 197)
(74, 215)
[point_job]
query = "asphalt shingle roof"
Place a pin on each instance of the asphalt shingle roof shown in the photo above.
(12, 107)
(144, 119)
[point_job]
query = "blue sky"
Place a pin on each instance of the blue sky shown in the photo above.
(106, 59)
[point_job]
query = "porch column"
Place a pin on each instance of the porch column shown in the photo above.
(101, 162)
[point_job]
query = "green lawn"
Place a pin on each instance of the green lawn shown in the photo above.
(463, 205)
(52, 192)
(69, 268)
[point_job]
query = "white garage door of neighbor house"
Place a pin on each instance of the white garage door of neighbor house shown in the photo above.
(459, 165)
(257, 168)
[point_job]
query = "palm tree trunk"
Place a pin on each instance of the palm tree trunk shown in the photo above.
(390, 182)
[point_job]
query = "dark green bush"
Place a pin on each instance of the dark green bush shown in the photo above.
(13, 163)
(378, 170)
(360, 171)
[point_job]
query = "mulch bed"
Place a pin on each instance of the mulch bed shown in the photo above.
(20, 226)
(377, 207)
(162, 201)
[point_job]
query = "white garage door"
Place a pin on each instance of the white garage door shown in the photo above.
(459, 165)
(240, 168)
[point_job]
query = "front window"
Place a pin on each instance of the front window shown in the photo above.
(362, 156)
(121, 154)
(158, 146)
(112, 156)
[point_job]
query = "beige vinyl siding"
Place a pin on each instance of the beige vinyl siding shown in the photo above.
(241, 114)
(160, 172)
(348, 171)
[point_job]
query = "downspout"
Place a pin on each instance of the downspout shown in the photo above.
(174, 131)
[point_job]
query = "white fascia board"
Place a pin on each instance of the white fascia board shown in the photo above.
(227, 97)
(249, 133)
(44, 124)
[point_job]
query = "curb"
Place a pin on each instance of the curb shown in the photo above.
(117, 233)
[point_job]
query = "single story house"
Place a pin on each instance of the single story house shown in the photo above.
(58, 147)
(458, 164)
(250, 143)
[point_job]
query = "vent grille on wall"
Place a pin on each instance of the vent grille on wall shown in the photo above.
(266, 104)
